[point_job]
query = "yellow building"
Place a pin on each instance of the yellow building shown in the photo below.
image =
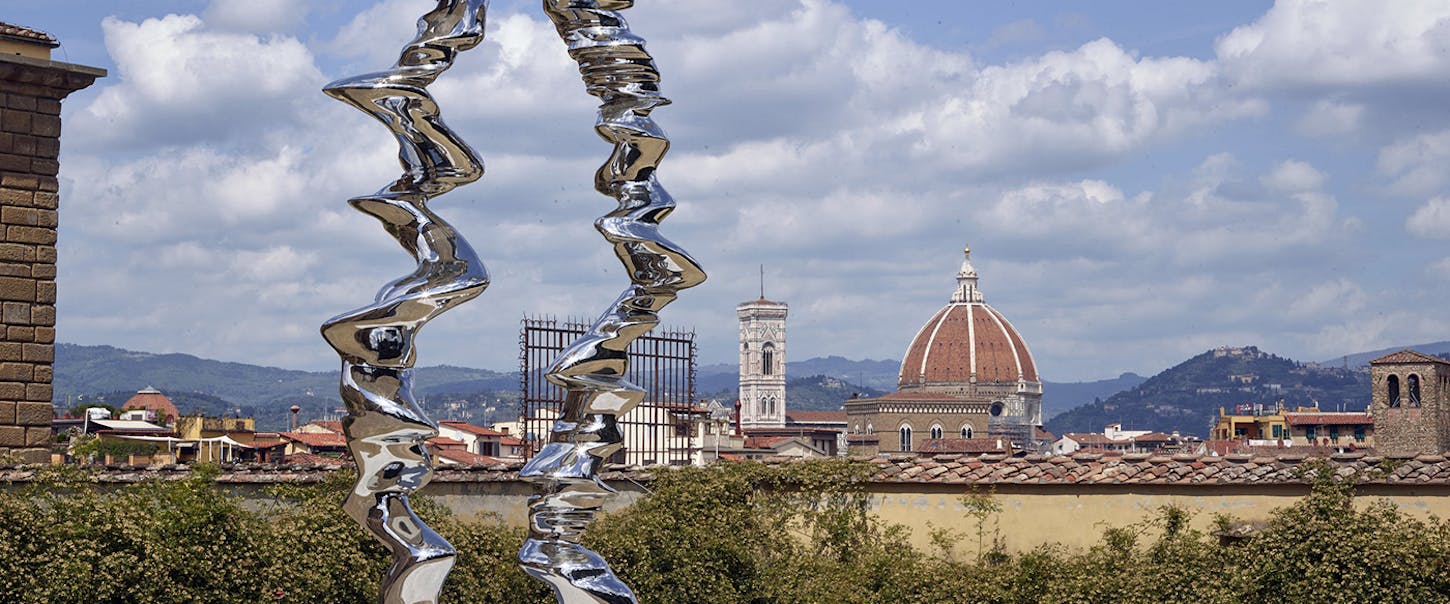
(213, 439)
(1304, 426)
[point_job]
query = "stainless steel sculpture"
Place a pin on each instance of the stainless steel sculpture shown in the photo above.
(385, 428)
(615, 68)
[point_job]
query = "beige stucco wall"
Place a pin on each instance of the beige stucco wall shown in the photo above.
(1077, 515)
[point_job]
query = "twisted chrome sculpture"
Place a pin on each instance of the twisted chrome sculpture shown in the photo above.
(385, 428)
(615, 68)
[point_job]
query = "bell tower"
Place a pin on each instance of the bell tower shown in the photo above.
(762, 363)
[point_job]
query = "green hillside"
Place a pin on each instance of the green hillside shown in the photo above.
(1186, 397)
(105, 374)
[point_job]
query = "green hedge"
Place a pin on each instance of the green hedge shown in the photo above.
(733, 533)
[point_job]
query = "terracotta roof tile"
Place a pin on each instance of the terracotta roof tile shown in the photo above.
(470, 428)
(316, 439)
(454, 456)
(20, 31)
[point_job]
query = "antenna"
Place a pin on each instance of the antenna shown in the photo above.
(762, 282)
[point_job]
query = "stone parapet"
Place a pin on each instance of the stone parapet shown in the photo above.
(966, 470)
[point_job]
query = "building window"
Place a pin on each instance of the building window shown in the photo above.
(1278, 431)
(905, 439)
(966, 431)
(1359, 433)
(1334, 433)
(1309, 433)
(935, 431)
(767, 359)
(1414, 386)
(1393, 382)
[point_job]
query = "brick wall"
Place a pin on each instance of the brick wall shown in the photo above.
(30, 95)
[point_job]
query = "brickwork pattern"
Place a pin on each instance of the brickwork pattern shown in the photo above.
(30, 97)
(1407, 429)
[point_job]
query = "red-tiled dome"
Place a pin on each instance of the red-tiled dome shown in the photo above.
(967, 339)
(151, 399)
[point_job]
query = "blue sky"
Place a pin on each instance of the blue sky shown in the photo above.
(1139, 181)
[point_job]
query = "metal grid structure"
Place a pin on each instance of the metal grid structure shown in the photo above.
(658, 431)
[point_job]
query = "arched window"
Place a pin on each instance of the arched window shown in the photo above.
(1393, 382)
(935, 431)
(905, 439)
(767, 359)
(966, 431)
(1414, 384)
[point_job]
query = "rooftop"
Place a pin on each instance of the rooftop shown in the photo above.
(26, 33)
(1078, 469)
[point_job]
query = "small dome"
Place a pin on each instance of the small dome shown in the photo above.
(151, 399)
(966, 340)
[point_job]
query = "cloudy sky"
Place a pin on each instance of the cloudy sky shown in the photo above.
(1138, 181)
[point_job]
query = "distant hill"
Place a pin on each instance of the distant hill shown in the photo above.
(1058, 397)
(1362, 359)
(1187, 396)
(110, 375)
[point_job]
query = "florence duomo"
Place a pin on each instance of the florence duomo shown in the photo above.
(966, 375)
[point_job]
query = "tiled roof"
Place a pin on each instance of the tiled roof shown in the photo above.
(309, 459)
(966, 340)
(464, 458)
(510, 441)
(1093, 438)
(328, 425)
(765, 442)
(1078, 469)
(262, 443)
(20, 31)
(316, 439)
(444, 441)
(1143, 468)
(470, 428)
(1328, 419)
(1408, 356)
(151, 399)
(816, 417)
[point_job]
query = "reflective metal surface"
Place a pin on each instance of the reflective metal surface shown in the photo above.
(615, 68)
(385, 428)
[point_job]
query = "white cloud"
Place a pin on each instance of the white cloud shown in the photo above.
(1291, 176)
(1073, 109)
(1417, 164)
(1338, 298)
(1432, 220)
(178, 81)
(1440, 268)
(1340, 43)
(1326, 118)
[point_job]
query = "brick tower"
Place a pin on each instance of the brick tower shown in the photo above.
(31, 88)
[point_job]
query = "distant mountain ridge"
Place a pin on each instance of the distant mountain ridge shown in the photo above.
(1362, 359)
(1186, 397)
(217, 387)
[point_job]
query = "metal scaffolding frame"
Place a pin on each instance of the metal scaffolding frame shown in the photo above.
(656, 432)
